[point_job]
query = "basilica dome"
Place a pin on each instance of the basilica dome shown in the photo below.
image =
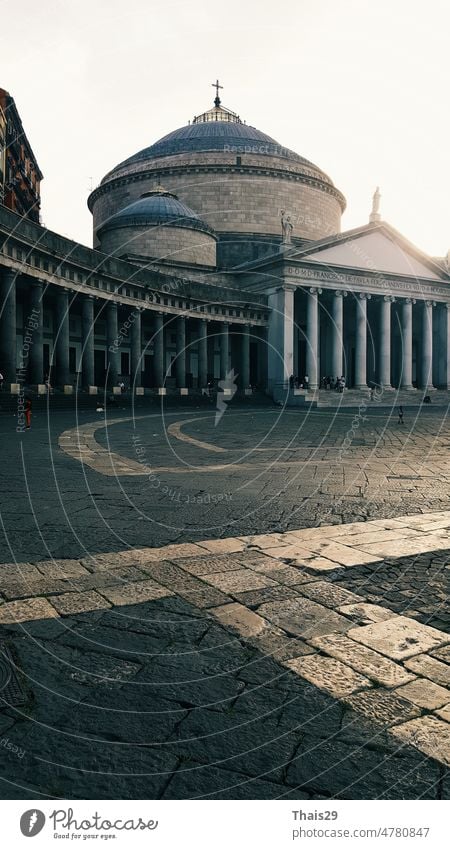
(235, 178)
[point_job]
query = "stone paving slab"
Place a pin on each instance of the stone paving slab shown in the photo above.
(424, 693)
(430, 667)
(399, 638)
(429, 734)
(135, 593)
(375, 666)
(384, 707)
(26, 611)
(444, 713)
(238, 581)
(364, 613)
(329, 674)
(328, 594)
(71, 603)
(61, 569)
(304, 618)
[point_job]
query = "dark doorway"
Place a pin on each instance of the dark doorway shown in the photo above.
(72, 360)
(125, 363)
(147, 374)
(253, 363)
(301, 360)
(99, 368)
(46, 356)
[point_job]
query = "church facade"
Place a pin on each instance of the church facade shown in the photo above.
(217, 251)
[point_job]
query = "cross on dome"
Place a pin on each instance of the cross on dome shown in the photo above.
(217, 85)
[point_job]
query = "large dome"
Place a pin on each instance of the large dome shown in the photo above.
(236, 178)
(217, 136)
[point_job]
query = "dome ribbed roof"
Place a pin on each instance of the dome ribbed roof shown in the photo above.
(157, 207)
(216, 136)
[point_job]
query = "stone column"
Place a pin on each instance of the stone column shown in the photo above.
(61, 350)
(180, 363)
(158, 338)
(384, 378)
(280, 338)
(446, 343)
(136, 350)
(37, 333)
(361, 341)
(245, 358)
(426, 380)
(312, 337)
(87, 329)
(406, 341)
(224, 350)
(203, 354)
(8, 345)
(112, 332)
(337, 368)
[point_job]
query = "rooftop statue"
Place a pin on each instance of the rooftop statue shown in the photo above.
(286, 228)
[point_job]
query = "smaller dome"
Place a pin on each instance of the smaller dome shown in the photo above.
(157, 207)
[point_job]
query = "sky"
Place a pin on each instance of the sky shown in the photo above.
(358, 87)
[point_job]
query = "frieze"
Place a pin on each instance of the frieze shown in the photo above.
(379, 284)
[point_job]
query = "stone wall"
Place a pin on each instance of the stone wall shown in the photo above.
(232, 198)
(172, 243)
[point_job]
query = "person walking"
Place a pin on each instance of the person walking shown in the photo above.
(28, 413)
(400, 416)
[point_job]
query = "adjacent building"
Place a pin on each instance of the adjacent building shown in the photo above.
(20, 174)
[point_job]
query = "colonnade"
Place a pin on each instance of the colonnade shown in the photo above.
(117, 333)
(378, 338)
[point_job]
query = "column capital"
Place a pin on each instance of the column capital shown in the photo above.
(314, 290)
(340, 293)
(364, 296)
(389, 299)
(429, 303)
(409, 300)
(447, 307)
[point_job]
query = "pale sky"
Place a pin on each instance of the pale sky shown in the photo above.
(360, 87)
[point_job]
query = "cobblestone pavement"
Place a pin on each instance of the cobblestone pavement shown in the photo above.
(195, 634)
(232, 668)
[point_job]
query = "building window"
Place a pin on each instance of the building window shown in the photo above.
(72, 360)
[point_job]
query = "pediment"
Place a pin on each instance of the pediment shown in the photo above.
(375, 250)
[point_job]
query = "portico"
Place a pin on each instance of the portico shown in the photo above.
(364, 305)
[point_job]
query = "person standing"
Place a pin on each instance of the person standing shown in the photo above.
(1, 381)
(400, 415)
(28, 413)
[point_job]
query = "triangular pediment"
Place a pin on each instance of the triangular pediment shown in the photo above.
(373, 249)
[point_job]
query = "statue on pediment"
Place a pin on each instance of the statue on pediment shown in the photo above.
(375, 214)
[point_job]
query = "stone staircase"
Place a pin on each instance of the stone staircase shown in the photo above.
(392, 398)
